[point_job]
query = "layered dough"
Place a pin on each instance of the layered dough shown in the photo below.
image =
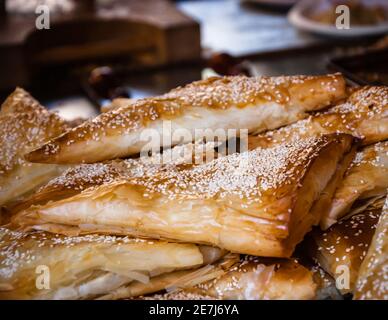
(363, 115)
(341, 249)
(188, 113)
(255, 279)
(231, 278)
(256, 202)
(176, 280)
(366, 178)
(40, 265)
(24, 125)
(372, 282)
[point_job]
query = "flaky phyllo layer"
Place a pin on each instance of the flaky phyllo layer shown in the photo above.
(256, 202)
(372, 282)
(366, 178)
(231, 278)
(41, 265)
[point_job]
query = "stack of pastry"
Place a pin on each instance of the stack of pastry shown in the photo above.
(85, 214)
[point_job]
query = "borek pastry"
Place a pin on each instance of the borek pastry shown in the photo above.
(363, 115)
(256, 202)
(372, 282)
(41, 265)
(366, 178)
(24, 125)
(215, 104)
(341, 249)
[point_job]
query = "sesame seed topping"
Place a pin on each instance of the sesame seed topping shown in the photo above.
(247, 175)
(24, 125)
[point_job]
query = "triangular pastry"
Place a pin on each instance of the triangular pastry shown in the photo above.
(372, 282)
(341, 249)
(256, 202)
(253, 104)
(363, 115)
(41, 265)
(366, 178)
(24, 125)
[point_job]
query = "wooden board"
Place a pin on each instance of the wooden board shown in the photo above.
(149, 32)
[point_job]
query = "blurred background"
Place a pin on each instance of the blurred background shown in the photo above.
(76, 56)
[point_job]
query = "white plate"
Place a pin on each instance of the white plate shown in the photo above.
(298, 17)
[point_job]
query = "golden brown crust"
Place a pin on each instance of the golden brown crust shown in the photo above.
(364, 115)
(255, 202)
(117, 103)
(19, 101)
(341, 249)
(24, 125)
(366, 177)
(77, 179)
(322, 205)
(372, 282)
(291, 96)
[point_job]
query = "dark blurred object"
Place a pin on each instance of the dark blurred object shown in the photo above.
(227, 65)
(381, 44)
(142, 32)
(104, 84)
(276, 4)
(367, 68)
(2, 8)
(119, 92)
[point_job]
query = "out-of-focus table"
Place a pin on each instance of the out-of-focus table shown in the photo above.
(262, 36)
(245, 29)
